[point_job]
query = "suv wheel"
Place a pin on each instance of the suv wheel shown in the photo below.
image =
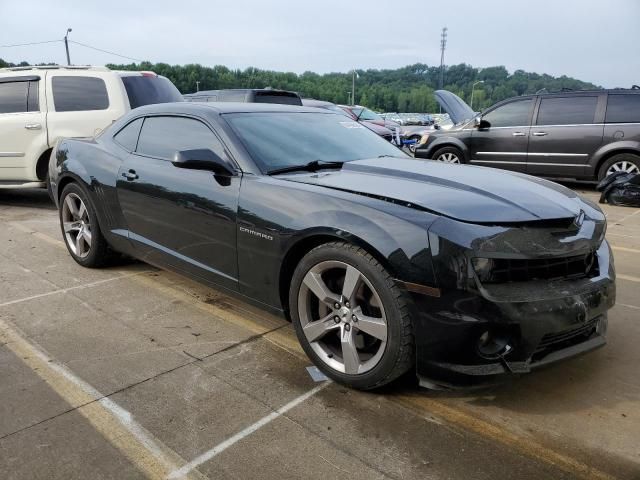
(80, 228)
(448, 155)
(350, 317)
(622, 162)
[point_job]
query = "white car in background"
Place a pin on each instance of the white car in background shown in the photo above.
(41, 105)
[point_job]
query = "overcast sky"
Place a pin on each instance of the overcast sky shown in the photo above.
(593, 40)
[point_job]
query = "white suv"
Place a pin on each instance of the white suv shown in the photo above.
(40, 105)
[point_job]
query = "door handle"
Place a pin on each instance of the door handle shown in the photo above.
(518, 134)
(33, 126)
(130, 175)
(539, 134)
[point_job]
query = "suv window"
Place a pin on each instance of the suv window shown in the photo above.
(512, 114)
(623, 108)
(147, 90)
(128, 136)
(13, 97)
(162, 137)
(75, 94)
(573, 110)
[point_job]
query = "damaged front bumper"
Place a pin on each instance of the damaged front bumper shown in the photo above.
(482, 333)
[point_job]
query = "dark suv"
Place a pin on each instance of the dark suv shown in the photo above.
(251, 95)
(573, 134)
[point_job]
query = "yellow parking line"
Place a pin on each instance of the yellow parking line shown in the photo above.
(154, 459)
(624, 249)
(420, 404)
(630, 278)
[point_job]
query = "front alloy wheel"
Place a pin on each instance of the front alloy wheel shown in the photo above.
(448, 157)
(350, 316)
(342, 317)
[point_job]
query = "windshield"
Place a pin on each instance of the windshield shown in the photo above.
(278, 140)
(366, 114)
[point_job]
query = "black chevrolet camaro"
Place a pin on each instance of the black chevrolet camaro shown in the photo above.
(383, 263)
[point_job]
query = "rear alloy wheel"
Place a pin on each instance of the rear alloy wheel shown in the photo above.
(350, 317)
(448, 155)
(623, 162)
(80, 228)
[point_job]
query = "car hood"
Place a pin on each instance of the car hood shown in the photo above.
(466, 193)
(457, 108)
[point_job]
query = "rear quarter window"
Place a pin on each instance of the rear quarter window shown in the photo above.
(127, 138)
(76, 94)
(623, 109)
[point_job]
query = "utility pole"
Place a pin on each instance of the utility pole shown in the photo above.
(443, 45)
(197, 85)
(66, 45)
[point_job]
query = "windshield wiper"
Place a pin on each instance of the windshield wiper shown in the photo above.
(312, 166)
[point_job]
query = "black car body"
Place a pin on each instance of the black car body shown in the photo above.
(497, 273)
(251, 95)
(571, 134)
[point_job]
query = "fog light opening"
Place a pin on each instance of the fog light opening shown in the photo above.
(493, 345)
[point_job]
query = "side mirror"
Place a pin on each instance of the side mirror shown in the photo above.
(203, 159)
(480, 123)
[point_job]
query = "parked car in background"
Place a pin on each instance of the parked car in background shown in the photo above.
(40, 105)
(384, 264)
(384, 132)
(571, 134)
(251, 95)
(360, 113)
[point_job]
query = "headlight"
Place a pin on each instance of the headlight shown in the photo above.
(483, 268)
(424, 139)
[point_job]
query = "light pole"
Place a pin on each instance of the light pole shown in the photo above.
(197, 85)
(66, 45)
(472, 89)
(349, 98)
(353, 86)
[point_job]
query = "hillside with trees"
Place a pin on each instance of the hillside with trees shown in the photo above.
(406, 89)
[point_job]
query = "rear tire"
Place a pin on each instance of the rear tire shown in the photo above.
(360, 333)
(448, 155)
(80, 228)
(619, 163)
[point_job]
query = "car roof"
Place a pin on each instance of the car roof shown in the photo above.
(226, 107)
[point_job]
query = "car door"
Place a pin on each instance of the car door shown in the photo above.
(180, 218)
(501, 140)
(567, 130)
(23, 132)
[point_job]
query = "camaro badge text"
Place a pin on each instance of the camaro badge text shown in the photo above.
(255, 233)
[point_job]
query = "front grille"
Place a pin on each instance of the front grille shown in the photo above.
(522, 270)
(566, 338)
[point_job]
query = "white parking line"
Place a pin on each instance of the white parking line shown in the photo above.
(69, 289)
(221, 447)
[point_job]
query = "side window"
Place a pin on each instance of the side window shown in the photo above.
(572, 110)
(514, 114)
(13, 97)
(623, 109)
(162, 137)
(75, 94)
(128, 136)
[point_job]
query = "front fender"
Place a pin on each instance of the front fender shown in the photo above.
(441, 142)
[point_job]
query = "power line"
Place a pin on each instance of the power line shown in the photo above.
(105, 51)
(30, 43)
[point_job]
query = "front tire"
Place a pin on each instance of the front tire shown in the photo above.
(448, 155)
(80, 229)
(350, 317)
